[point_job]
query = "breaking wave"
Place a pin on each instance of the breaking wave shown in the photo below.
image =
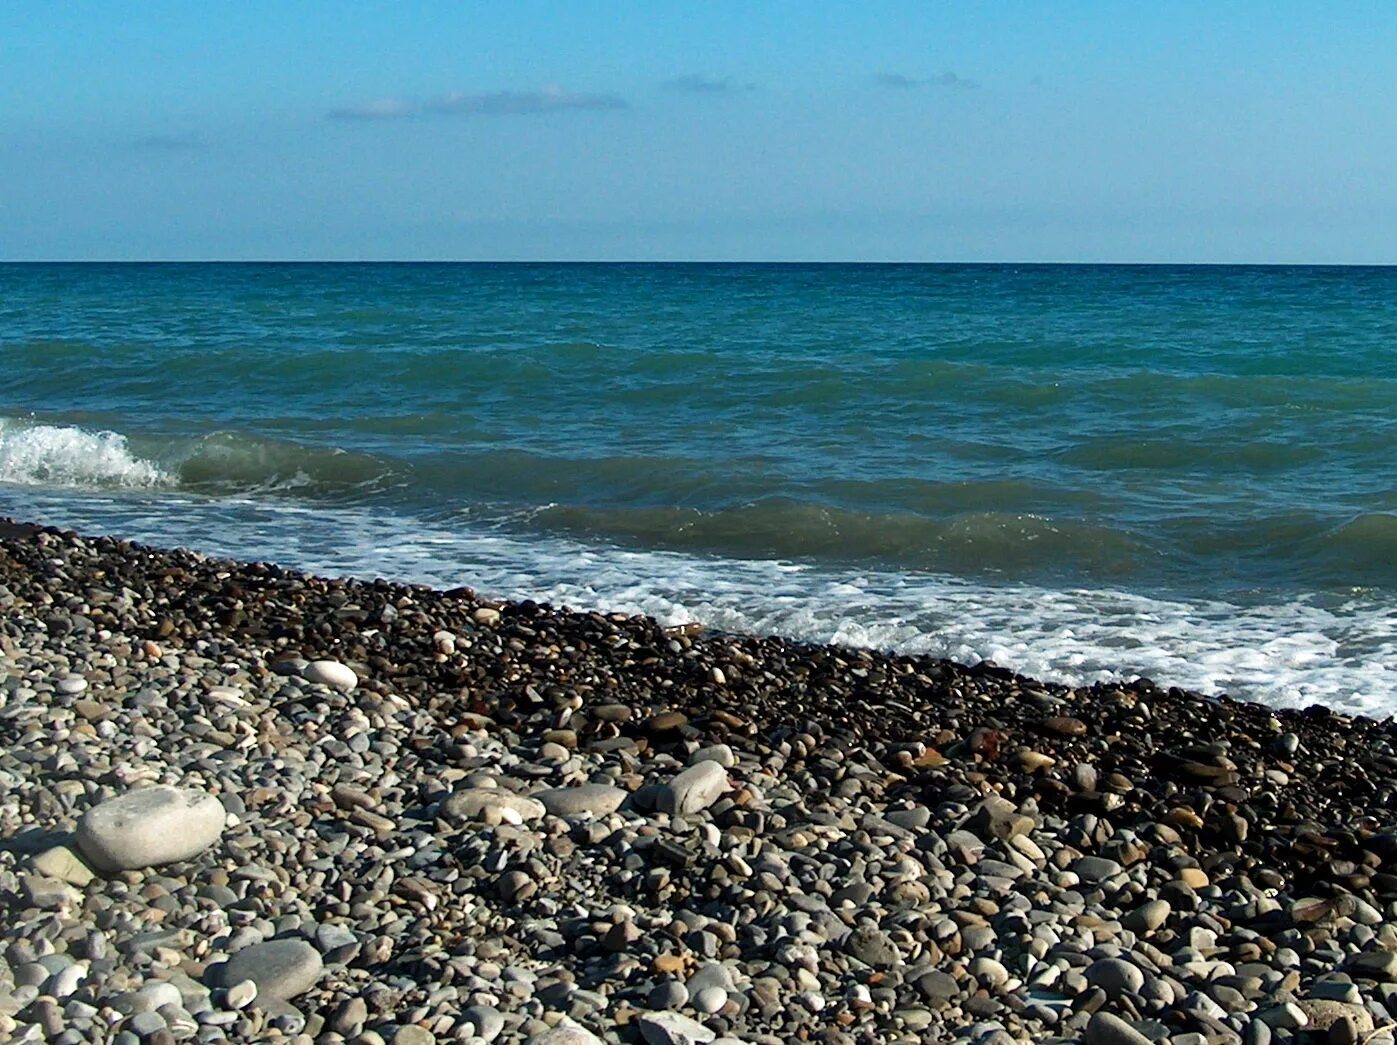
(63, 455)
(41, 454)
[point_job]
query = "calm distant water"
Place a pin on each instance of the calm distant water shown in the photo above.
(1189, 473)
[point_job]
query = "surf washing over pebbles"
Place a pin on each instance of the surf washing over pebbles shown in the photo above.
(1292, 654)
(1080, 472)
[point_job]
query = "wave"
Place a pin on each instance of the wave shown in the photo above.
(63, 455)
(1367, 542)
(975, 542)
(33, 453)
(224, 461)
(1184, 451)
(1302, 391)
(1010, 527)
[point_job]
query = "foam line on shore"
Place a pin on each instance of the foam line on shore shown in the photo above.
(1337, 652)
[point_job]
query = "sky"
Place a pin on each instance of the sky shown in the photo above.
(805, 130)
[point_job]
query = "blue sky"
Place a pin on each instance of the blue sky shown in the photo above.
(803, 130)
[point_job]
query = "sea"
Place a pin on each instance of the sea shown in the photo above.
(1079, 472)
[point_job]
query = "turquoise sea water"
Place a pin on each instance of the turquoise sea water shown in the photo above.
(1079, 471)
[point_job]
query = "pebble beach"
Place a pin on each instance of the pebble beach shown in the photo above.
(240, 803)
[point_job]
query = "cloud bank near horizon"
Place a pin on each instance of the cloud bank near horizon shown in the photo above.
(557, 99)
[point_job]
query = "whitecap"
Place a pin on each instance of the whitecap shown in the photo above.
(65, 455)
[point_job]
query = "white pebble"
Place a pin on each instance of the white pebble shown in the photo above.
(241, 994)
(148, 827)
(331, 673)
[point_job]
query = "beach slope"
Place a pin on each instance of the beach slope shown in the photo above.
(239, 802)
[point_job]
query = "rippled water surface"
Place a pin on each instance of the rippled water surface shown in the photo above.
(1184, 472)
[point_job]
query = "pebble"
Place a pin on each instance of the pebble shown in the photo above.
(149, 827)
(156, 995)
(1375, 965)
(1094, 869)
(1115, 977)
(1106, 1028)
(1148, 917)
(1322, 1013)
(998, 818)
(331, 673)
(989, 972)
(242, 994)
(279, 969)
(670, 994)
(673, 1028)
(873, 947)
(486, 1021)
(1194, 877)
(66, 981)
(146, 1024)
(693, 790)
(594, 799)
(492, 806)
(710, 999)
(1285, 1016)
(62, 863)
(48, 894)
(565, 1034)
(720, 753)
(1065, 726)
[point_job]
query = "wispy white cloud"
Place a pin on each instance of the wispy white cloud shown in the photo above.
(377, 109)
(898, 81)
(522, 103)
(492, 103)
(698, 84)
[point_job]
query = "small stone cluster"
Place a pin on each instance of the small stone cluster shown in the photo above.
(239, 803)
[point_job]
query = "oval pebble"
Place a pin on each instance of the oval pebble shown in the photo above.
(331, 673)
(241, 994)
(280, 969)
(149, 827)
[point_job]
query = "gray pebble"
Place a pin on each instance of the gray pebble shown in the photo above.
(280, 969)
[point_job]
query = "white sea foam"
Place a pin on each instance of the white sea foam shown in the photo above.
(1283, 653)
(63, 455)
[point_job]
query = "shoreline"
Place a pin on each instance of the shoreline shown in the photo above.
(868, 847)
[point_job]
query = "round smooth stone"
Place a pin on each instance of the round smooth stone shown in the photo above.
(149, 827)
(710, 1000)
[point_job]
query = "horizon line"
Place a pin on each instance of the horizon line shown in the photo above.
(689, 261)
